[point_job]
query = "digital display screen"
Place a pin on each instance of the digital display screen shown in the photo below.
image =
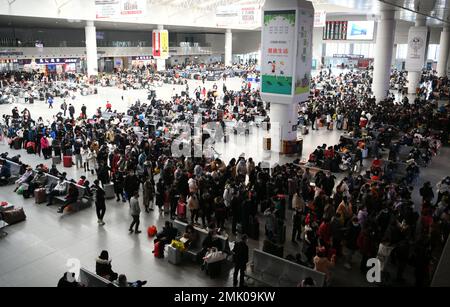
(360, 30)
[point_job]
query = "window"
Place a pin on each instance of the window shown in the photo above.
(433, 52)
(336, 48)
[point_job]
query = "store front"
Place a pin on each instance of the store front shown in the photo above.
(58, 65)
(9, 65)
(349, 61)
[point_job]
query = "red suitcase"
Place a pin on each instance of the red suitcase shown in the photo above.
(40, 196)
(67, 161)
(158, 250)
(181, 211)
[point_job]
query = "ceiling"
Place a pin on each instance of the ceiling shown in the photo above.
(437, 12)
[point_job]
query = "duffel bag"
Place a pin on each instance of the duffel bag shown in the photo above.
(14, 216)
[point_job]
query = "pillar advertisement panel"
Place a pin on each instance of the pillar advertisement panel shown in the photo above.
(304, 54)
(417, 46)
(287, 54)
(160, 40)
(278, 40)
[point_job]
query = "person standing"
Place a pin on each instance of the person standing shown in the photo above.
(83, 111)
(71, 111)
(149, 194)
(313, 119)
(240, 259)
(135, 211)
(50, 102)
(100, 205)
(64, 107)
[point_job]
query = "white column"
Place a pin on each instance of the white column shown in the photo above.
(282, 118)
(91, 49)
(160, 63)
(383, 54)
(228, 48)
(414, 76)
(444, 47)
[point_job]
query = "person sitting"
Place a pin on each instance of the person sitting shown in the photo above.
(59, 189)
(167, 234)
(54, 171)
(5, 173)
(82, 180)
(189, 236)
(68, 281)
(122, 282)
(38, 182)
(72, 197)
(103, 267)
(25, 178)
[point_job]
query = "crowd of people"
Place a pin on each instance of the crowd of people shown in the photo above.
(332, 219)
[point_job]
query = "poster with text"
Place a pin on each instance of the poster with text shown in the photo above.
(119, 8)
(278, 51)
(417, 46)
(305, 21)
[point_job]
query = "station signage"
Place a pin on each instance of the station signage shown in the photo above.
(160, 44)
(51, 61)
(142, 58)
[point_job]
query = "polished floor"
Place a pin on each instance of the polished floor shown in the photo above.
(35, 252)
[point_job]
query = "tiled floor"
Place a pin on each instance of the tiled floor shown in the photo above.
(36, 251)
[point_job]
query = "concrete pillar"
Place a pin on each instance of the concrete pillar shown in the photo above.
(444, 47)
(228, 48)
(91, 49)
(160, 63)
(384, 49)
(414, 76)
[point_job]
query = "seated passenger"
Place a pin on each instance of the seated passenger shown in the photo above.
(25, 178)
(5, 173)
(189, 236)
(72, 197)
(122, 282)
(103, 267)
(38, 182)
(59, 189)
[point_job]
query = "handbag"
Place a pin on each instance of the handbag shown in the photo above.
(214, 256)
(178, 245)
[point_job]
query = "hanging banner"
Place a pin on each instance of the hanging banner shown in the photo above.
(160, 44)
(238, 16)
(320, 18)
(303, 63)
(120, 8)
(278, 51)
(417, 46)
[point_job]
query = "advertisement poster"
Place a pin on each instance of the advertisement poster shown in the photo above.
(304, 54)
(278, 47)
(320, 18)
(160, 44)
(238, 16)
(119, 8)
(417, 46)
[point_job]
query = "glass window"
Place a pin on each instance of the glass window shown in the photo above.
(433, 52)
(402, 51)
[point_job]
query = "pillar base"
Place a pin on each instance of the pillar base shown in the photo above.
(287, 147)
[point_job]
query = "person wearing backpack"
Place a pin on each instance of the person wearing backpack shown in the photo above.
(240, 259)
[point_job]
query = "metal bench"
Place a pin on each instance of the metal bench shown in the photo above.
(91, 280)
(274, 271)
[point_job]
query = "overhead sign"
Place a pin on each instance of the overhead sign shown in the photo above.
(120, 8)
(51, 61)
(320, 18)
(238, 16)
(417, 46)
(142, 58)
(360, 30)
(160, 44)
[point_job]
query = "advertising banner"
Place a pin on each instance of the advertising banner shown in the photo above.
(160, 44)
(119, 8)
(417, 46)
(303, 64)
(320, 18)
(278, 51)
(238, 16)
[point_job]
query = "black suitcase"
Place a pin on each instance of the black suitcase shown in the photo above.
(18, 143)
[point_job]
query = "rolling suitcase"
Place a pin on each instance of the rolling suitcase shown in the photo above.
(305, 130)
(181, 211)
(158, 250)
(67, 161)
(40, 196)
(174, 255)
(18, 143)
